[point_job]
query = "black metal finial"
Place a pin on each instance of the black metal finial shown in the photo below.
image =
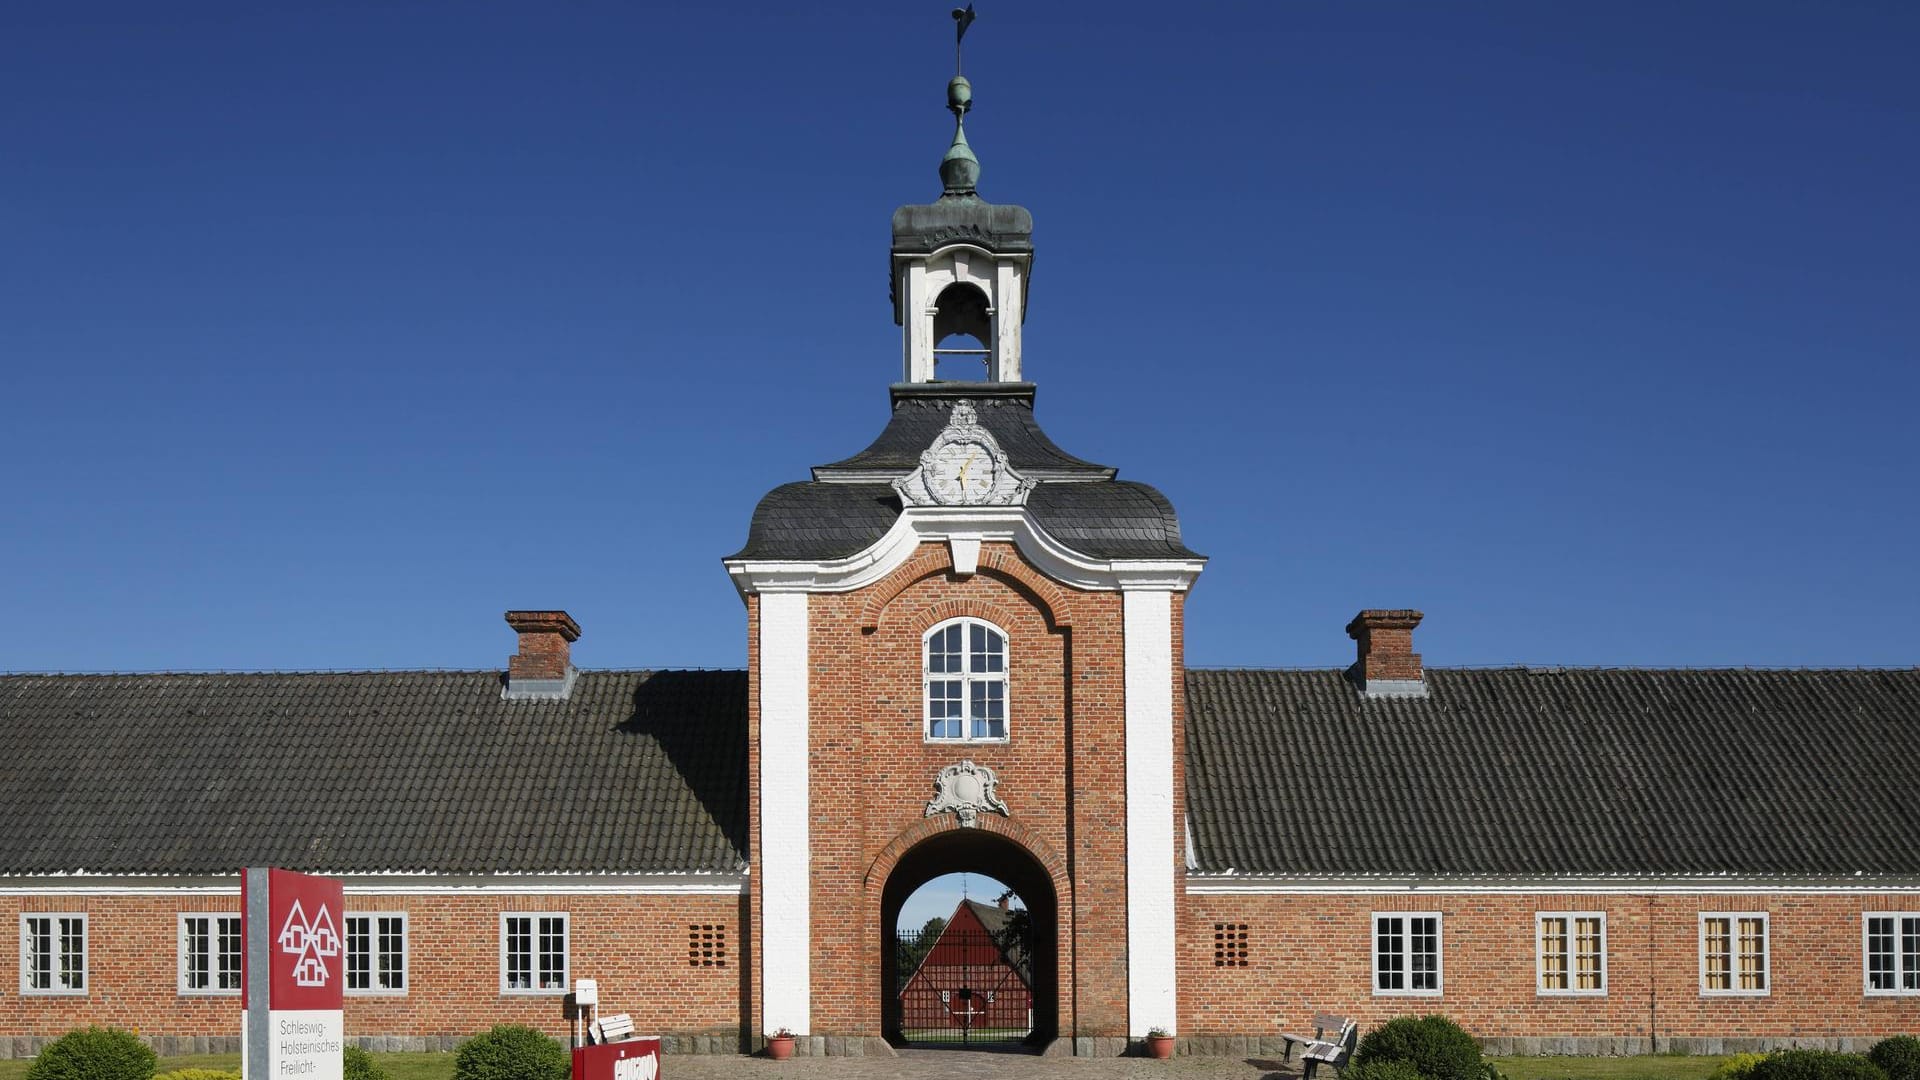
(962, 18)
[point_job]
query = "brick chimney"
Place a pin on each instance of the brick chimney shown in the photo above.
(542, 670)
(1386, 665)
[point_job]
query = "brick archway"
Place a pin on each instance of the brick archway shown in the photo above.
(1019, 835)
(998, 848)
(1000, 561)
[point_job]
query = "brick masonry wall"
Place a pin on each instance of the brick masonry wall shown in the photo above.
(1061, 772)
(636, 946)
(1312, 953)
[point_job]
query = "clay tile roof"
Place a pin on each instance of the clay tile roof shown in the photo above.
(1556, 772)
(372, 771)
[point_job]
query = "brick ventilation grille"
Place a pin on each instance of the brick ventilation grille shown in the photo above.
(706, 945)
(1229, 944)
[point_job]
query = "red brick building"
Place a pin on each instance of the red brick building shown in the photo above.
(964, 653)
(975, 975)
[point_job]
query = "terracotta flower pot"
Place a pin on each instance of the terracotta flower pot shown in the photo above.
(1160, 1046)
(779, 1047)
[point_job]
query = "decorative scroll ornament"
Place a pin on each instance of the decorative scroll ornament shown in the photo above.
(965, 790)
(964, 466)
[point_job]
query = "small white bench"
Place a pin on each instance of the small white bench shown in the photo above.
(610, 1029)
(1321, 1047)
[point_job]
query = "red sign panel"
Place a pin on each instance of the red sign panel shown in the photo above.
(632, 1059)
(305, 915)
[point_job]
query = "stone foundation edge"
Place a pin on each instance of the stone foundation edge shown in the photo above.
(26, 1046)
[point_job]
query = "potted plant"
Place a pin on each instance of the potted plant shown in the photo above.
(1160, 1043)
(780, 1044)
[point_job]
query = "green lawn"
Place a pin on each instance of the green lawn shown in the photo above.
(399, 1066)
(1651, 1067)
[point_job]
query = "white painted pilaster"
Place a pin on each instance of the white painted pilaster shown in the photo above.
(1148, 625)
(917, 325)
(1008, 311)
(785, 911)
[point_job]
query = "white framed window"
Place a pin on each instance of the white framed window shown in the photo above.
(1734, 953)
(1891, 949)
(376, 952)
(210, 948)
(1570, 949)
(53, 952)
(965, 673)
(533, 952)
(1406, 953)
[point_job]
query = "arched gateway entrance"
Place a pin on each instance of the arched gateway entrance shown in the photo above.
(1000, 978)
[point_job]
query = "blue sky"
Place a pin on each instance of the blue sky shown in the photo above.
(329, 332)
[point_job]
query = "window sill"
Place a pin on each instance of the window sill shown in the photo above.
(403, 993)
(185, 993)
(932, 741)
(1570, 993)
(1408, 993)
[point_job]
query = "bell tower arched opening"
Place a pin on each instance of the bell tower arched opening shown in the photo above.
(962, 334)
(1011, 954)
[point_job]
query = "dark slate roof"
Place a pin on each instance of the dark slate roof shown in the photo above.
(1111, 519)
(1115, 519)
(819, 521)
(850, 504)
(372, 771)
(920, 412)
(1530, 772)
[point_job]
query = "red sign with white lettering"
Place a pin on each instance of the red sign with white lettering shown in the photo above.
(631, 1059)
(306, 917)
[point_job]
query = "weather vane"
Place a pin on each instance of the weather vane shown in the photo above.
(962, 18)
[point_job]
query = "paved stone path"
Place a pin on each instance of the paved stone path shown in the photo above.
(968, 1065)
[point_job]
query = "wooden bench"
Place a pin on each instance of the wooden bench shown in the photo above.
(1332, 1049)
(611, 1029)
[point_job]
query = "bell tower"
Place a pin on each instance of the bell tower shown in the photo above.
(964, 654)
(960, 267)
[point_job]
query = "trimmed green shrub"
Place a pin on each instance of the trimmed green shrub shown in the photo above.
(1815, 1065)
(1381, 1069)
(357, 1064)
(1898, 1057)
(94, 1053)
(198, 1074)
(1435, 1046)
(1737, 1067)
(511, 1052)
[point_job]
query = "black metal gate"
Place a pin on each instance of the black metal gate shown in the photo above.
(965, 985)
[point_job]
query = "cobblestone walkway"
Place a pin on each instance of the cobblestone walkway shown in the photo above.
(968, 1065)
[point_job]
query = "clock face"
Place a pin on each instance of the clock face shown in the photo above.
(963, 473)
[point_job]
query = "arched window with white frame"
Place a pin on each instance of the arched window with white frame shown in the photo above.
(966, 682)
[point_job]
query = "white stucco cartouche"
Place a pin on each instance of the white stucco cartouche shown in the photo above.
(1147, 620)
(785, 909)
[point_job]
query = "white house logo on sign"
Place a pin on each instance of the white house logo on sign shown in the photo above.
(311, 942)
(294, 976)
